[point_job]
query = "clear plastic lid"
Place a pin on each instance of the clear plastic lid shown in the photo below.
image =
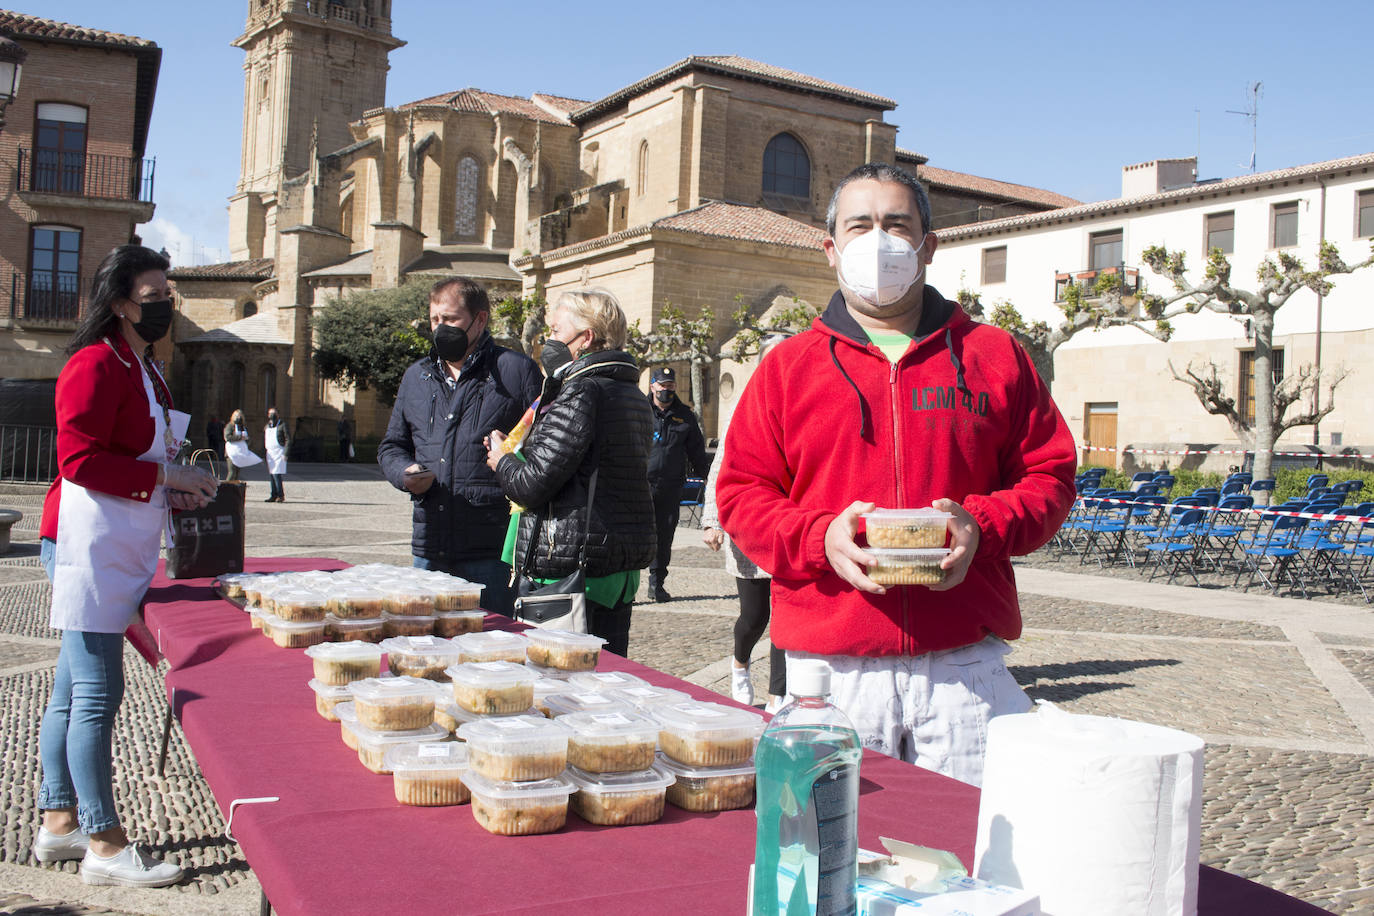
(490, 674)
(345, 651)
(339, 694)
(430, 647)
(462, 615)
(642, 696)
(349, 624)
(563, 704)
(506, 792)
(376, 742)
(550, 674)
(928, 517)
(708, 721)
(291, 626)
(610, 727)
(347, 714)
(562, 639)
(898, 556)
(431, 756)
(510, 735)
(598, 681)
(686, 771)
(635, 783)
(451, 710)
(490, 646)
(385, 691)
(548, 686)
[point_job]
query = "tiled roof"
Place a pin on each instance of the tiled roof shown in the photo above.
(740, 67)
(355, 265)
(944, 178)
(255, 329)
(910, 155)
(1106, 207)
(254, 269)
(558, 102)
(482, 102)
(19, 25)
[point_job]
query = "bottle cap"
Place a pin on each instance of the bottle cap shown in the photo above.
(808, 677)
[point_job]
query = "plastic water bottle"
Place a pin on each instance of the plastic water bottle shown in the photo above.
(806, 848)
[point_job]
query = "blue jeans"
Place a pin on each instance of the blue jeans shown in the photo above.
(493, 574)
(74, 741)
(277, 490)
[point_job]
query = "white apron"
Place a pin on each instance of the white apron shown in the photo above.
(108, 546)
(240, 455)
(276, 452)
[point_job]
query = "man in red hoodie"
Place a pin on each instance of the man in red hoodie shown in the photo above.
(896, 398)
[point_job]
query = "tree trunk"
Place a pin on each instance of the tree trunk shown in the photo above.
(698, 386)
(1263, 386)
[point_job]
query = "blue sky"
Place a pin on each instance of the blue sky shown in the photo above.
(1058, 95)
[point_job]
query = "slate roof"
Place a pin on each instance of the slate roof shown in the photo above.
(483, 102)
(740, 68)
(1117, 205)
(19, 25)
(253, 269)
(255, 329)
(944, 178)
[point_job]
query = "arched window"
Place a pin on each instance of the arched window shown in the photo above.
(267, 385)
(236, 383)
(250, 308)
(786, 167)
(465, 219)
(642, 173)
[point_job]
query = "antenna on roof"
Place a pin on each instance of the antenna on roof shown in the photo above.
(1251, 113)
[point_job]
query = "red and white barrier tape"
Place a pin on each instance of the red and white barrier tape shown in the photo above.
(1220, 451)
(1256, 510)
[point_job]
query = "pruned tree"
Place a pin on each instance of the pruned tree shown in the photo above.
(369, 338)
(675, 339)
(518, 322)
(754, 329)
(1111, 302)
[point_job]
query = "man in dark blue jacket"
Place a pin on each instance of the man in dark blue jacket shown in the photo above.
(447, 402)
(677, 442)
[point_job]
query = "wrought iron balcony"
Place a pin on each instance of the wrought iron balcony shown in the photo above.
(44, 298)
(46, 171)
(1087, 278)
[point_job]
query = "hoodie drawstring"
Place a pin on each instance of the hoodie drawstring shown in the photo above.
(958, 366)
(863, 405)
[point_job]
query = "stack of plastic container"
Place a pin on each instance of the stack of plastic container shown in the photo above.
(709, 750)
(336, 665)
(387, 712)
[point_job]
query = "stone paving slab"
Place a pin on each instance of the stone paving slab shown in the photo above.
(1050, 613)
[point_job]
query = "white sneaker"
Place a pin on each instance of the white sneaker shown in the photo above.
(128, 868)
(774, 705)
(59, 847)
(741, 688)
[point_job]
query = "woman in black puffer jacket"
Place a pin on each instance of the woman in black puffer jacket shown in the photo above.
(592, 416)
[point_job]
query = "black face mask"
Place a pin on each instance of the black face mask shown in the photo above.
(156, 320)
(554, 355)
(451, 343)
(664, 397)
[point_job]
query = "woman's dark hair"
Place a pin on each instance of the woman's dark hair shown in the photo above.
(114, 280)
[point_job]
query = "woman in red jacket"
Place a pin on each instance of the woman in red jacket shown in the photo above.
(103, 518)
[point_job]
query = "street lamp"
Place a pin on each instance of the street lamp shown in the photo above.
(12, 57)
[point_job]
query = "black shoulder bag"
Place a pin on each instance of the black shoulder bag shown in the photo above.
(561, 605)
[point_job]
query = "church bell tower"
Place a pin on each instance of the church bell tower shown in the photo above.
(310, 67)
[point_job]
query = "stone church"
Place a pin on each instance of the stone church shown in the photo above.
(702, 185)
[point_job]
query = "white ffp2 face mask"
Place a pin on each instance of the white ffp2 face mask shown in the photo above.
(880, 268)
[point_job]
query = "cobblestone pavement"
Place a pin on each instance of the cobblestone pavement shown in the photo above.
(1280, 689)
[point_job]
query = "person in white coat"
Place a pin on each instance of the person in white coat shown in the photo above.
(237, 454)
(275, 439)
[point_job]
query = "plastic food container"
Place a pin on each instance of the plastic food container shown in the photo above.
(619, 799)
(563, 704)
(492, 688)
(491, 646)
(723, 788)
(545, 687)
(354, 601)
(327, 697)
(341, 663)
(515, 747)
(298, 604)
(353, 629)
(409, 601)
(429, 774)
(907, 567)
(252, 590)
(707, 734)
(420, 656)
(550, 674)
(231, 585)
(456, 623)
(453, 717)
(347, 714)
(647, 695)
(519, 808)
(458, 596)
(906, 528)
(598, 681)
(615, 742)
(373, 745)
(563, 649)
(255, 616)
(393, 703)
(292, 634)
(407, 625)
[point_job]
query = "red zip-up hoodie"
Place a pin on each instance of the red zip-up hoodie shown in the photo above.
(827, 419)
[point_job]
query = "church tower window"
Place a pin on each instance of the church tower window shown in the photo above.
(642, 174)
(465, 220)
(786, 167)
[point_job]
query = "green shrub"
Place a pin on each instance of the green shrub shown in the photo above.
(1290, 483)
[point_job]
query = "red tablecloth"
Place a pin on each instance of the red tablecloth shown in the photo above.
(337, 842)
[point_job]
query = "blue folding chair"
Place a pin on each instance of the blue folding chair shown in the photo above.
(1263, 485)
(1359, 551)
(1165, 481)
(1232, 487)
(693, 498)
(1276, 541)
(1106, 530)
(1211, 494)
(1317, 480)
(1175, 544)
(1224, 530)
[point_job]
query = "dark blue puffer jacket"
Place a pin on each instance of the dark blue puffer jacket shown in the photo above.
(464, 515)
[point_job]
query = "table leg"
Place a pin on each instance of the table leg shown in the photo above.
(264, 905)
(166, 736)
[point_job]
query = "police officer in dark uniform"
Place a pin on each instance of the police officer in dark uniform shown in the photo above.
(677, 442)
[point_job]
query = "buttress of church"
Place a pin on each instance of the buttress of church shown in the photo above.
(703, 185)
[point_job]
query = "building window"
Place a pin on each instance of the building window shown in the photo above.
(1104, 249)
(250, 308)
(54, 273)
(642, 170)
(786, 167)
(1364, 214)
(1246, 383)
(267, 385)
(995, 265)
(59, 148)
(465, 219)
(236, 385)
(1220, 232)
(1283, 225)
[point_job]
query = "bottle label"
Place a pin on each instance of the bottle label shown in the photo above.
(837, 830)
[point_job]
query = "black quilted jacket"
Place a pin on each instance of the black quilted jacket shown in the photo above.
(598, 417)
